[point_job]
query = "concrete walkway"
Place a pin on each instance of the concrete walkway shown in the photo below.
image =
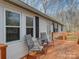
(66, 50)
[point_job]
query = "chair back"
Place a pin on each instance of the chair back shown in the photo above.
(29, 41)
(36, 43)
(44, 37)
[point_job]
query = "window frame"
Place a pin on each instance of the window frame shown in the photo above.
(56, 27)
(6, 26)
(34, 26)
(26, 22)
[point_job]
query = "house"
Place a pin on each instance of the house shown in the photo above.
(18, 19)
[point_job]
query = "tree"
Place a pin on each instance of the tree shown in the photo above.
(70, 16)
(45, 4)
(65, 10)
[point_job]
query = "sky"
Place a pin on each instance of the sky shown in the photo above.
(53, 6)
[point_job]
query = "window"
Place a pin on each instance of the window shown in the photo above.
(29, 25)
(55, 27)
(61, 28)
(12, 26)
(37, 26)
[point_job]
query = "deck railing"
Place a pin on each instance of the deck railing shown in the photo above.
(3, 51)
(66, 35)
(59, 35)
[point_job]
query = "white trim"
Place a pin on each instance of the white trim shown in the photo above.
(29, 16)
(12, 10)
(34, 27)
(29, 26)
(4, 25)
(5, 9)
(14, 26)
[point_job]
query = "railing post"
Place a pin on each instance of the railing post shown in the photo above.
(64, 36)
(3, 51)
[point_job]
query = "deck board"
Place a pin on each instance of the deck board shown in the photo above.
(66, 50)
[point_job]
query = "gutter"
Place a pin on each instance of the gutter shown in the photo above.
(31, 9)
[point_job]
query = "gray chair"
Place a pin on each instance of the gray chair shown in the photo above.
(32, 44)
(44, 38)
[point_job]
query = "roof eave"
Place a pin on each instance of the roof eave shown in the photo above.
(29, 8)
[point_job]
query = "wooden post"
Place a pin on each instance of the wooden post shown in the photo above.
(63, 36)
(78, 41)
(3, 51)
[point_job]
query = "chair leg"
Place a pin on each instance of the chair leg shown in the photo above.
(27, 56)
(45, 50)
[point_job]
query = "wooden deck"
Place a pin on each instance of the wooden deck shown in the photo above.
(65, 50)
